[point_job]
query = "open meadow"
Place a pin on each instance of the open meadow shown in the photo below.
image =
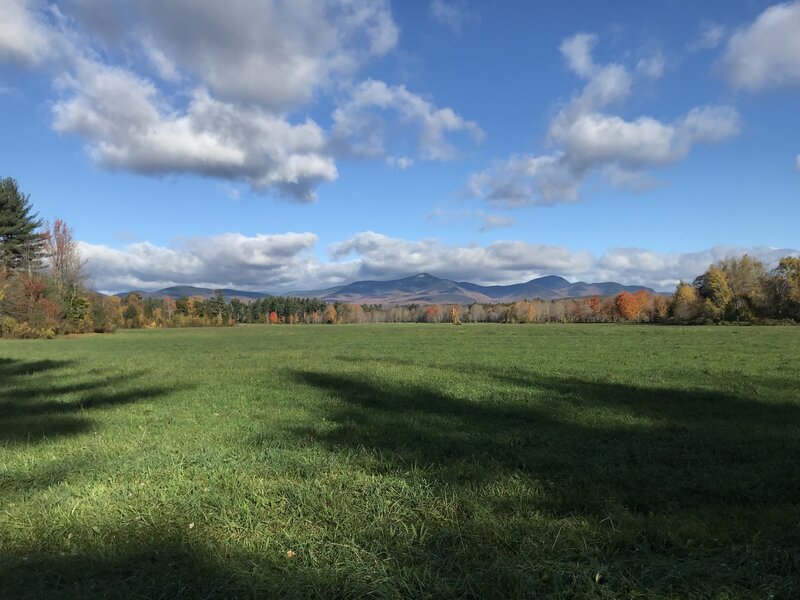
(397, 461)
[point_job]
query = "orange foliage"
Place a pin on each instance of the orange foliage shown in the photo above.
(273, 317)
(631, 306)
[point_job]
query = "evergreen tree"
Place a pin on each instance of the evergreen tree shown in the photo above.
(20, 243)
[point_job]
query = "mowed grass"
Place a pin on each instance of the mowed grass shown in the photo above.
(402, 461)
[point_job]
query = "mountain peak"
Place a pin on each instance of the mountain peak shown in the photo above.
(550, 280)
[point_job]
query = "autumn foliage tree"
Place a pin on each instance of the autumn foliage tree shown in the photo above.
(787, 287)
(595, 307)
(330, 314)
(685, 303)
(631, 306)
(455, 319)
(712, 286)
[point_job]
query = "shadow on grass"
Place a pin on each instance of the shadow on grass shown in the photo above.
(649, 460)
(156, 569)
(665, 465)
(593, 442)
(36, 406)
(158, 565)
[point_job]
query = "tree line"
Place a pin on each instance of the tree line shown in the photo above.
(42, 277)
(740, 290)
(43, 293)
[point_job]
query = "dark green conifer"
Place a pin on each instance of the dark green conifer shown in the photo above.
(20, 242)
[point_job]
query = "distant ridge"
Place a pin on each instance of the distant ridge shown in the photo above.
(190, 291)
(423, 288)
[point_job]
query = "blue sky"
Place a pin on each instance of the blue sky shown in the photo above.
(291, 145)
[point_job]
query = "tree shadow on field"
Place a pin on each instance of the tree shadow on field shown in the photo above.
(36, 405)
(675, 460)
(157, 564)
(704, 449)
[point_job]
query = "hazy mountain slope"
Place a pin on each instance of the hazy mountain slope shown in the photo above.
(424, 288)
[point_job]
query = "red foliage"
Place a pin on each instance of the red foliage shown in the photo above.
(34, 288)
(595, 305)
(273, 317)
(431, 314)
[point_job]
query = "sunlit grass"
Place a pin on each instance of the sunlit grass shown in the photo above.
(402, 461)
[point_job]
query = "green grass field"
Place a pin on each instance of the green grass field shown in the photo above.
(594, 461)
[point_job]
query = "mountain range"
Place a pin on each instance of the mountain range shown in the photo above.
(423, 288)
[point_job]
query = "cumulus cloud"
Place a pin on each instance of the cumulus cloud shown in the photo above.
(380, 256)
(766, 53)
(358, 129)
(506, 262)
(286, 262)
(208, 88)
(129, 125)
(261, 262)
(23, 38)
(275, 54)
(452, 14)
(588, 139)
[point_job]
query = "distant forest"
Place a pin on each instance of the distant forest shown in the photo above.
(43, 293)
(732, 290)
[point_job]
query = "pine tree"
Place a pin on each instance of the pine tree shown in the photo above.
(20, 243)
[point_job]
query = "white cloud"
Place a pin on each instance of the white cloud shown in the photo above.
(452, 14)
(261, 262)
(272, 53)
(385, 257)
(637, 266)
(507, 262)
(595, 139)
(589, 140)
(797, 162)
(577, 49)
(209, 88)
(129, 125)
(766, 53)
(285, 262)
(23, 38)
(357, 126)
(527, 180)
